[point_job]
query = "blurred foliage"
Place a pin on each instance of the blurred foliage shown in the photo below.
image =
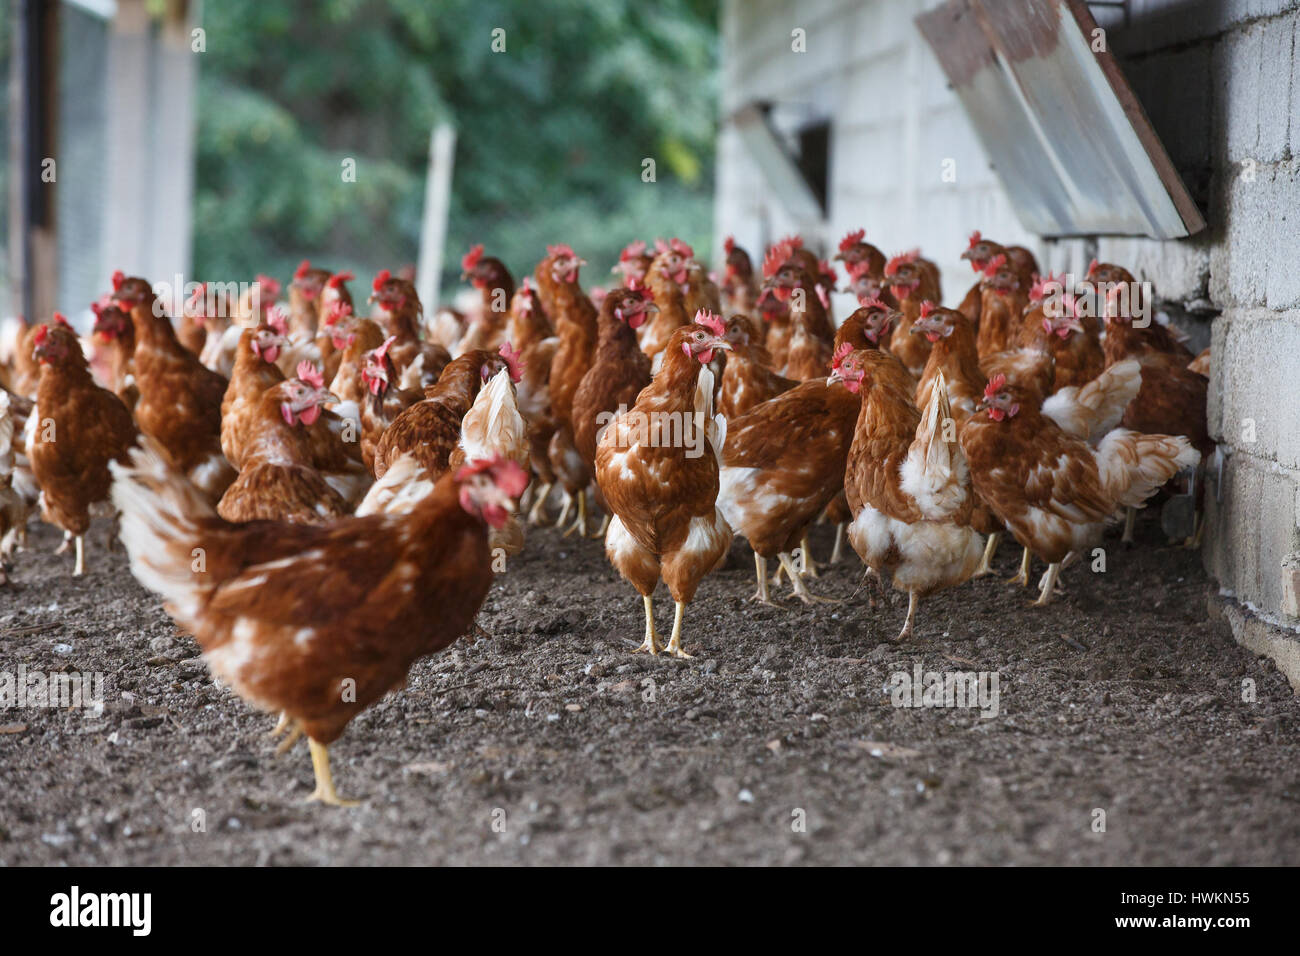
(551, 133)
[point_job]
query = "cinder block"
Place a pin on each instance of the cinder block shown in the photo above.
(1251, 530)
(1179, 269)
(1282, 284)
(1239, 263)
(1254, 385)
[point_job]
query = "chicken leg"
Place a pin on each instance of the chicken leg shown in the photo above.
(325, 792)
(675, 639)
(651, 643)
(579, 525)
(986, 562)
(906, 632)
(537, 514)
(837, 551)
(80, 567)
(1048, 585)
(805, 550)
(1130, 519)
(800, 590)
(760, 569)
(1022, 576)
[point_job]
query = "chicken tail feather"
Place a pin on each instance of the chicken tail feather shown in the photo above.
(1133, 465)
(161, 513)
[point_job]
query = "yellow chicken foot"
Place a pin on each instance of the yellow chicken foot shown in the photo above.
(986, 562)
(604, 527)
(1130, 519)
(906, 632)
(280, 725)
(1048, 585)
(675, 639)
(580, 525)
(325, 792)
(799, 589)
(1022, 576)
(537, 514)
(66, 543)
(1198, 531)
(80, 567)
(651, 643)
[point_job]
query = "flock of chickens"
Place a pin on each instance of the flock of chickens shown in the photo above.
(322, 497)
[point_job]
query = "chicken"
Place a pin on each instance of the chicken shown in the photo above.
(1054, 492)
(1052, 323)
(305, 299)
(980, 252)
(81, 428)
(384, 400)
(911, 281)
(862, 259)
(667, 279)
(255, 371)
(180, 399)
(277, 480)
(13, 509)
(114, 330)
(487, 327)
(747, 378)
(657, 467)
(1004, 296)
(1115, 296)
(574, 316)
(953, 358)
(354, 338)
(399, 315)
(336, 311)
(809, 348)
(493, 428)
(907, 487)
(530, 331)
(619, 370)
(739, 284)
(782, 465)
(316, 622)
(633, 262)
(430, 429)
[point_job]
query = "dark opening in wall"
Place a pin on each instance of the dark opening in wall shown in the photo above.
(815, 158)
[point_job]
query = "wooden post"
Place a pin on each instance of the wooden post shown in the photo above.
(437, 204)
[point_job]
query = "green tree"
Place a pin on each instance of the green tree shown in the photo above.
(552, 132)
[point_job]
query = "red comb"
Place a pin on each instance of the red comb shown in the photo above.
(338, 278)
(975, 239)
(903, 257)
(633, 250)
(118, 278)
(996, 263)
(516, 367)
(311, 375)
(852, 239)
(61, 319)
(710, 321)
(776, 257)
(303, 268)
(1092, 266)
(794, 242)
(276, 319)
(873, 304)
(840, 353)
(471, 258)
(827, 270)
(561, 251)
(729, 245)
(269, 285)
(381, 278)
(927, 309)
(338, 309)
(682, 249)
(382, 350)
(995, 385)
(42, 333)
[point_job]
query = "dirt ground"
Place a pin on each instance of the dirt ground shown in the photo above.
(548, 742)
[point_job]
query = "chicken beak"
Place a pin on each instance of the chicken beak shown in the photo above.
(982, 404)
(834, 377)
(328, 398)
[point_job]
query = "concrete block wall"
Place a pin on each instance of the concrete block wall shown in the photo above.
(1220, 81)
